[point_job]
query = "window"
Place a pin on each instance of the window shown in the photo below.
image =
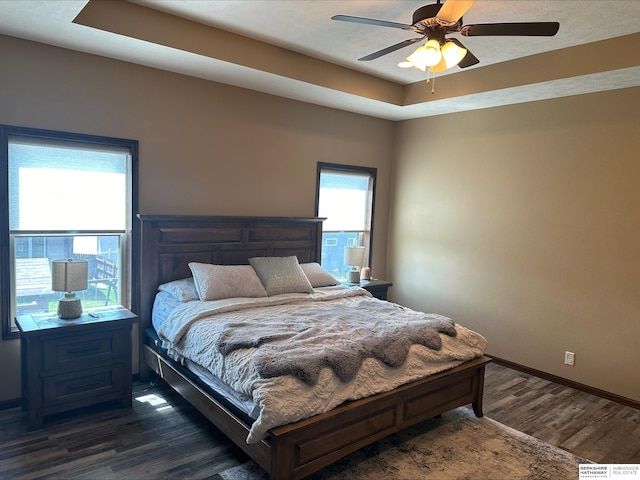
(345, 197)
(67, 196)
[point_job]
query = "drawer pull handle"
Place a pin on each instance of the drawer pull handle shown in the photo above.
(76, 351)
(82, 386)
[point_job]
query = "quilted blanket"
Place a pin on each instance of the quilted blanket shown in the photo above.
(196, 331)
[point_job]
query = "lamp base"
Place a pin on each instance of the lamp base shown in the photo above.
(69, 307)
(353, 276)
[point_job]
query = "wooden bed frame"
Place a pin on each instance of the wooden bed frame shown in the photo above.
(296, 450)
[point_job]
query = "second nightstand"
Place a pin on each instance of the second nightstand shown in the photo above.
(67, 364)
(377, 288)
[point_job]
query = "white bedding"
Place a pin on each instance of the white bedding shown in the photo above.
(193, 328)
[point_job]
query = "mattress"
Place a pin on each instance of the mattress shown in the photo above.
(163, 304)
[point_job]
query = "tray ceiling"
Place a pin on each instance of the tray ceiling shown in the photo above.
(293, 48)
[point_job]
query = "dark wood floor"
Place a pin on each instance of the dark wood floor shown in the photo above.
(164, 437)
(591, 427)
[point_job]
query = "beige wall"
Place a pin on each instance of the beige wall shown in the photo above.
(523, 223)
(205, 148)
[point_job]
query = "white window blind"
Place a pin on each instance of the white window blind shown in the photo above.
(344, 201)
(65, 188)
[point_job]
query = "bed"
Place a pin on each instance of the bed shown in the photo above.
(297, 449)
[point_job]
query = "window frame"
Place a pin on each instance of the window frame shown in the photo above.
(130, 254)
(367, 239)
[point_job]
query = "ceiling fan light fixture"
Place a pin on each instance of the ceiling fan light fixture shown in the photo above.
(452, 54)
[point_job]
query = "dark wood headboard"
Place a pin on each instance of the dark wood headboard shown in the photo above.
(169, 243)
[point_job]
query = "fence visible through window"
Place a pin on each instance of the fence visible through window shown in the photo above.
(33, 274)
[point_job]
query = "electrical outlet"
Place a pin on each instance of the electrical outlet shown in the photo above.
(569, 358)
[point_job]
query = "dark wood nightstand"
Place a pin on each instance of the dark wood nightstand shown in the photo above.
(67, 364)
(377, 288)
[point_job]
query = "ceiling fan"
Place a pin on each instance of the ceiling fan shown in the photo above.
(434, 22)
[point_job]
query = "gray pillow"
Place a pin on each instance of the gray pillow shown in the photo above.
(281, 275)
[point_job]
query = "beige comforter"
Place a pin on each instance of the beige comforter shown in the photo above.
(194, 331)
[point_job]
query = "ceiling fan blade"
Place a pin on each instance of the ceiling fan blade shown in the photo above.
(392, 48)
(370, 21)
(533, 29)
(469, 59)
(453, 10)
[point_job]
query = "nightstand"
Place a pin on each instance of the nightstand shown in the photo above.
(67, 364)
(377, 288)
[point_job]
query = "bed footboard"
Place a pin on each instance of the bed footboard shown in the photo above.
(304, 447)
(297, 450)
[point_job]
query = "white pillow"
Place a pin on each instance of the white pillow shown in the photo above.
(318, 276)
(215, 282)
(281, 275)
(184, 289)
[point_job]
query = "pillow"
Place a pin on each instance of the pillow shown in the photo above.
(184, 290)
(318, 276)
(215, 282)
(281, 275)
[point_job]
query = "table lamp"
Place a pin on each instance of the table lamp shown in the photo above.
(69, 276)
(354, 257)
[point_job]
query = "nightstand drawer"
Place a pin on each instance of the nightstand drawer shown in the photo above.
(77, 351)
(82, 385)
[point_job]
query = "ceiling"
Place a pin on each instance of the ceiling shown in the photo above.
(292, 48)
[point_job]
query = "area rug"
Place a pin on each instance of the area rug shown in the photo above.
(457, 446)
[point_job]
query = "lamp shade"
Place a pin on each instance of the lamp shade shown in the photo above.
(69, 275)
(431, 52)
(418, 59)
(354, 256)
(453, 54)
